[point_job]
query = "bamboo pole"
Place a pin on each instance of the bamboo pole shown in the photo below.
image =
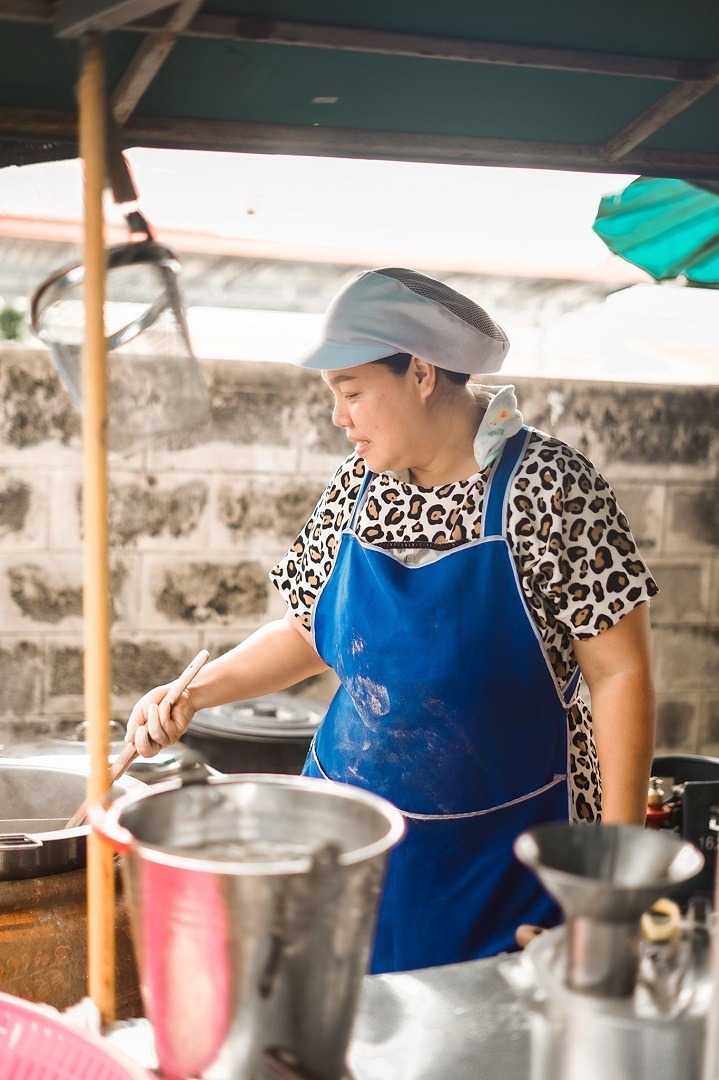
(96, 568)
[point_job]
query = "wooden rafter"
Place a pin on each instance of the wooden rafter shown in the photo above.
(148, 60)
(694, 78)
(73, 18)
(352, 142)
(657, 115)
(428, 47)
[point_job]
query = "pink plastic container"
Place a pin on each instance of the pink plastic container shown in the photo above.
(35, 1045)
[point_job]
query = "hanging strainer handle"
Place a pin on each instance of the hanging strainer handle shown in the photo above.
(144, 252)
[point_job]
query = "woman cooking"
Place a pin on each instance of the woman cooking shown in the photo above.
(459, 573)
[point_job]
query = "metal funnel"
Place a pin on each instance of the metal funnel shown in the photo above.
(604, 877)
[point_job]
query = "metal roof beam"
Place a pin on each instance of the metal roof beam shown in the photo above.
(76, 17)
(250, 137)
(148, 60)
(427, 47)
(27, 11)
(657, 115)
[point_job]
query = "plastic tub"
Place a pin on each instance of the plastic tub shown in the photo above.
(36, 1045)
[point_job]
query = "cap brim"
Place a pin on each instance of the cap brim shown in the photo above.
(333, 357)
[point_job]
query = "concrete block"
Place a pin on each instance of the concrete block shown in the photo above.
(126, 576)
(693, 518)
(34, 407)
(138, 664)
(687, 659)
(714, 588)
(65, 677)
(193, 593)
(34, 728)
(677, 725)
(709, 727)
(320, 465)
(45, 592)
(22, 664)
(65, 665)
(258, 459)
(250, 401)
(148, 511)
(685, 591)
(24, 510)
(66, 511)
(630, 431)
(261, 416)
(270, 512)
(643, 506)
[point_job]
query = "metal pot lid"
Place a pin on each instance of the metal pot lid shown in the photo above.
(278, 716)
(165, 764)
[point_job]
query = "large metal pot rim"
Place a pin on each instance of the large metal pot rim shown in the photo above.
(66, 764)
(107, 823)
(53, 851)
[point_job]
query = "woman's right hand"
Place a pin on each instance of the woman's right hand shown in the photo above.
(154, 723)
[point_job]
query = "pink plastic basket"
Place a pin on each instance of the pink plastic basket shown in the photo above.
(35, 1045)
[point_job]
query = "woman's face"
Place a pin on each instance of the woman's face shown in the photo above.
(382, 413)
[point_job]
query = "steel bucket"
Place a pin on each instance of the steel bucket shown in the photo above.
(253, 901)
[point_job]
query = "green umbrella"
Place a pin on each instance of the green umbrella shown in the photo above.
(669, 228)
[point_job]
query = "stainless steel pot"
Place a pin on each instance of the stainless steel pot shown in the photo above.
(266, 735)
(168, 764)
(35, 803)
(43, 942)
(253, 902)
(43, 895)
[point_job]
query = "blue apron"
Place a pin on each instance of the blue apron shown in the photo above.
(448, 707)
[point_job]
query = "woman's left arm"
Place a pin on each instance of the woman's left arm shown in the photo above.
(617, 666)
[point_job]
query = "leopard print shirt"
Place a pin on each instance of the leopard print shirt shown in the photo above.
(577, 562)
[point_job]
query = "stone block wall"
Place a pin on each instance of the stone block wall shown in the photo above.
(196, 525)
(659, 449)
(194, 530)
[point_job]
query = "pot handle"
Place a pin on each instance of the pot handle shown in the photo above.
(106, 825)
(18, 840)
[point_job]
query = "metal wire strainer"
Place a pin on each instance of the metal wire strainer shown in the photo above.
(156, 389)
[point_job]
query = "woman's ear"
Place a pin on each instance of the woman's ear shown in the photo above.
(424, 376)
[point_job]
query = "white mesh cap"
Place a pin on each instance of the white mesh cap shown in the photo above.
(382, 312)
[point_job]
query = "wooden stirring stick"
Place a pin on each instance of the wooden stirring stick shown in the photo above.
(123, 761)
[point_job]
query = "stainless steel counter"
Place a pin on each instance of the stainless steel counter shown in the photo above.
(458, 1022)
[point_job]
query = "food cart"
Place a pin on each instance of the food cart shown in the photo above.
(574, 87)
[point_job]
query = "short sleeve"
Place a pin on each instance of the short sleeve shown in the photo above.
(577, 543)
(301, 573)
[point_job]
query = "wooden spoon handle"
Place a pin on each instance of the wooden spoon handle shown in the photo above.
(124, 760)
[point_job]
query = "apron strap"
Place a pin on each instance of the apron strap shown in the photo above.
(360, 499)
(494, 518)
(494, 523)
(571, 690)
